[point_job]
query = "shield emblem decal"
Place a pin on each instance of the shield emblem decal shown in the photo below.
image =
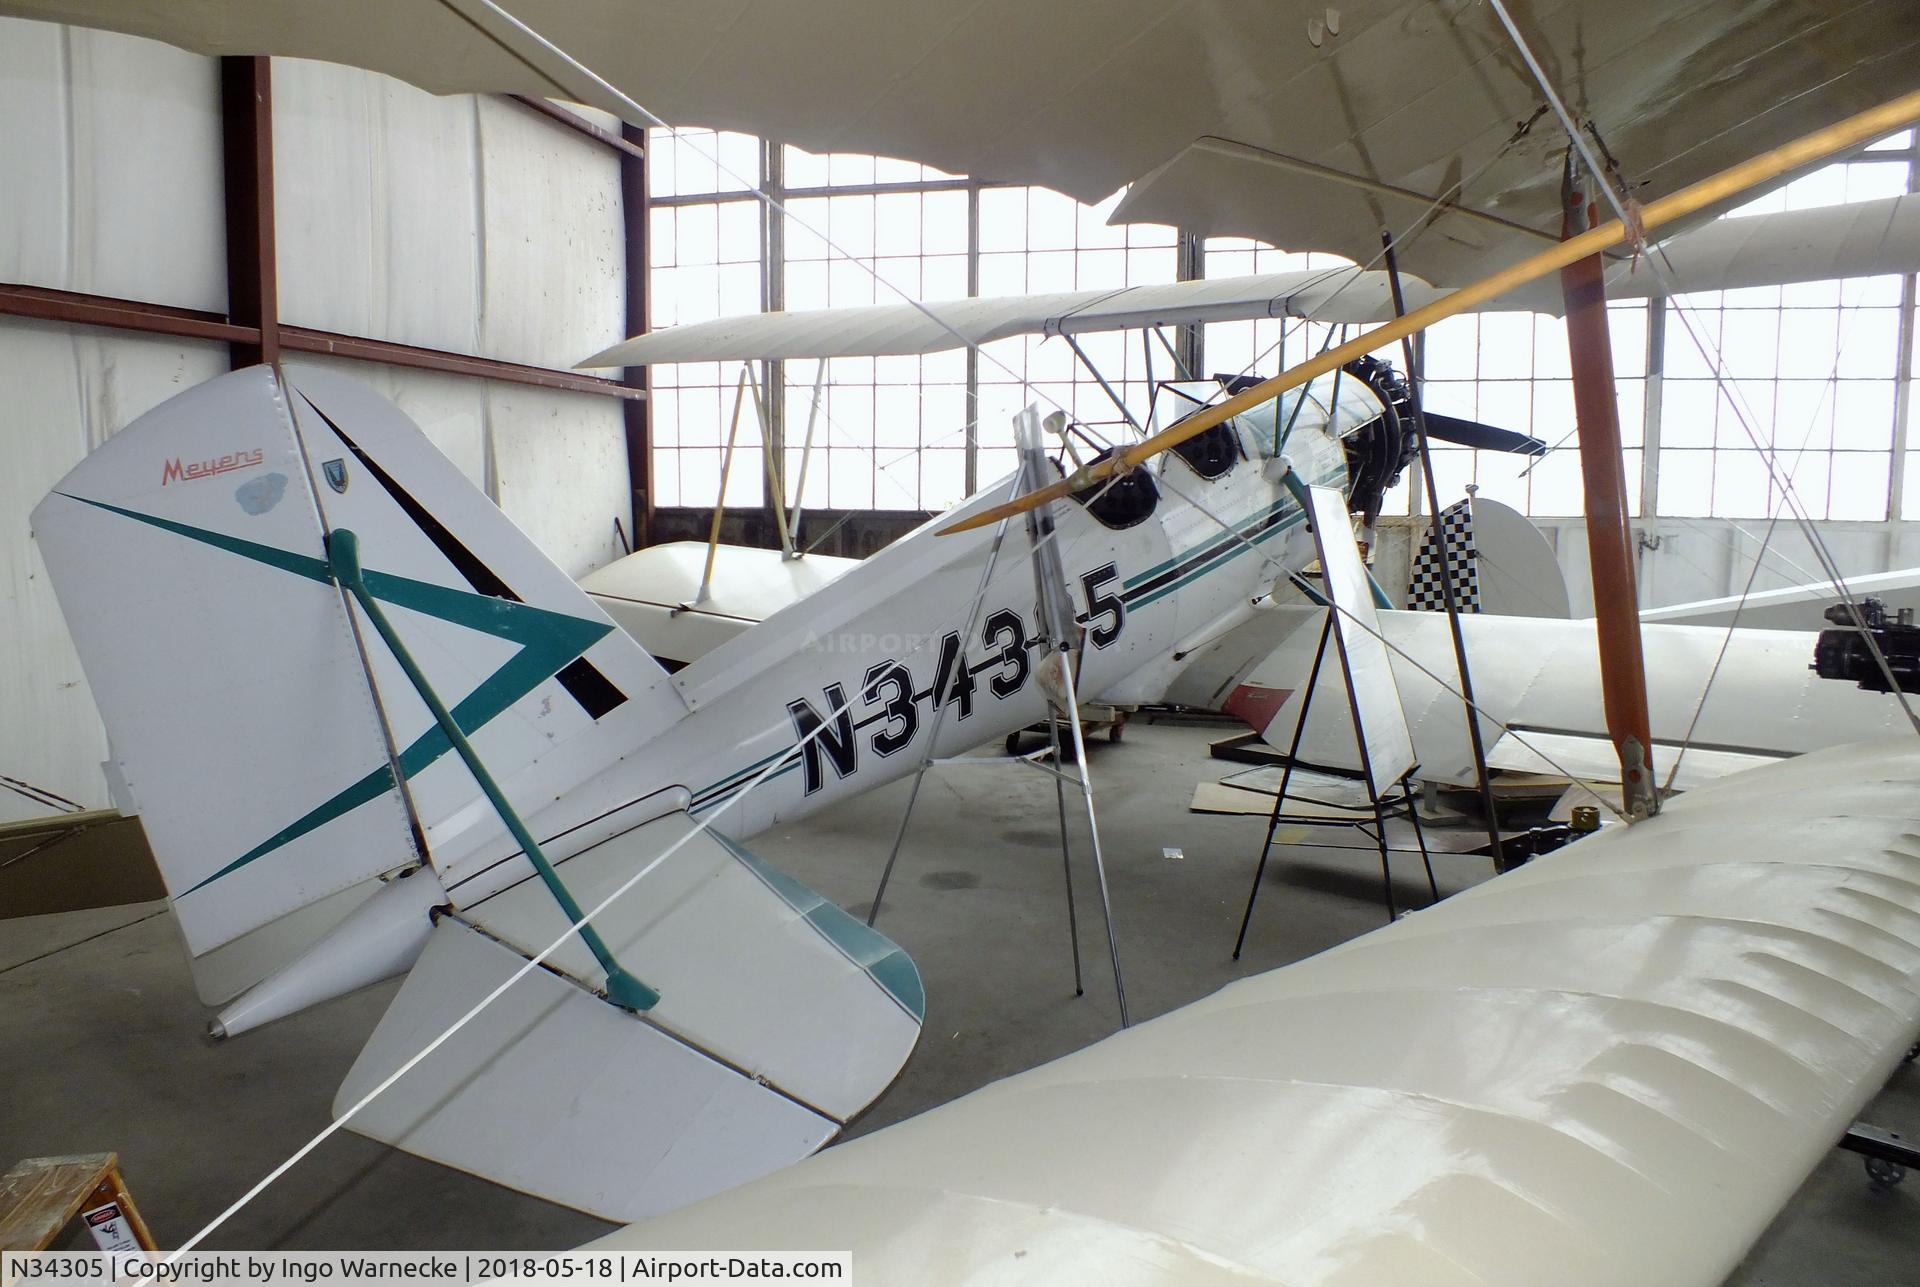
(335, 471)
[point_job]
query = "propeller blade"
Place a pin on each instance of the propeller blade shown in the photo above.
(1471, 433)
(1817, 146)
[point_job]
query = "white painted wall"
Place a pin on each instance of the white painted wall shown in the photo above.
(467, 224)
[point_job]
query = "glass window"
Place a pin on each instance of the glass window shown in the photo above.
(1761, 388)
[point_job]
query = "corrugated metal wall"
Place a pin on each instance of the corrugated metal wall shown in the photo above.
(464, 224)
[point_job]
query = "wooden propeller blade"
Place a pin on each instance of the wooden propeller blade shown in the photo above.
(1855, 130)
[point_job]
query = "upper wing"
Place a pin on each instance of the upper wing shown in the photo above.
(1327, 295)
(1307, 126)
(1611, 1066)
(1866, 239)
(1860, 239)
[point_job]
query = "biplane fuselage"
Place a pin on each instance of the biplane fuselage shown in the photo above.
(896, 661)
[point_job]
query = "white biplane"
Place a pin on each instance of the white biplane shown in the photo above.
(1611, 1066)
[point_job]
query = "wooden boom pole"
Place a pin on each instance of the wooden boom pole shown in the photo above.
(1731, 182)
(1616, 600)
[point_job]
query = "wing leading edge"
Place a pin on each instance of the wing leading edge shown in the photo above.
(1612, 1066)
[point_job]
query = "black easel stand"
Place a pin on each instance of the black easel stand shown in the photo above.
(1382, 807)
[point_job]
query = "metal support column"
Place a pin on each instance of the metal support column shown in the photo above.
(1191, 340)
(246, 128)
(1468, 709)
(972, 465)
(773, 372)
(637, 413)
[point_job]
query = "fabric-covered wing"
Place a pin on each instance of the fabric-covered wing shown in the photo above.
(1308, 126)
(1865, 239)
(1611, 1066)
(1326, 295)
(1860, 239)
(1535, 673)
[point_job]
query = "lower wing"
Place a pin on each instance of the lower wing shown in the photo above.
(1611, 1066)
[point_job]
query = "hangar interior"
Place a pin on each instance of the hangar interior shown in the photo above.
(166, 217)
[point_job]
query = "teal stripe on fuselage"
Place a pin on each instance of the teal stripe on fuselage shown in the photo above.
(1237, 537)
(1238, 529)
(1239, 547)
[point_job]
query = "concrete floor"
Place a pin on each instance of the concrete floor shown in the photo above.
(101, 1027)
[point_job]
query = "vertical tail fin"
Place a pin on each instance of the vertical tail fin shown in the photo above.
(276, 758)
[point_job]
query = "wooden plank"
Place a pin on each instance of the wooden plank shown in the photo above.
(72, 861)
(39, 1196)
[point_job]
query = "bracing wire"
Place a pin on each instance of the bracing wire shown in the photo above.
(1773, 521)
(1479, 710)
(965, 607)
(1663, 269)
(548, 49)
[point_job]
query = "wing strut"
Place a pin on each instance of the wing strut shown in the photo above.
(1468, 710)
(343, 563)
(1057, 678)
(1616, 601)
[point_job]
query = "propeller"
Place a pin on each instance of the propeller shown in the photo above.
(1471, 433)
(1817, 146)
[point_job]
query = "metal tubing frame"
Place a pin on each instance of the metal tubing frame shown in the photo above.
(1286, 778)
(720, 501)
(933, 740)
(343, 564)
(806, 455)
(930, 759)
(1066, 863)
(1332, 627)
(1468, 707)
(1119, 403)
(776, 485)
(1056, 605)
(1366, 764)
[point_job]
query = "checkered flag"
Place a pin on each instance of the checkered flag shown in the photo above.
(1455, 529)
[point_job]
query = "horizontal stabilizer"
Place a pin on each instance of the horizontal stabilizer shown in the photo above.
(552, 1091)
(780, 1017)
